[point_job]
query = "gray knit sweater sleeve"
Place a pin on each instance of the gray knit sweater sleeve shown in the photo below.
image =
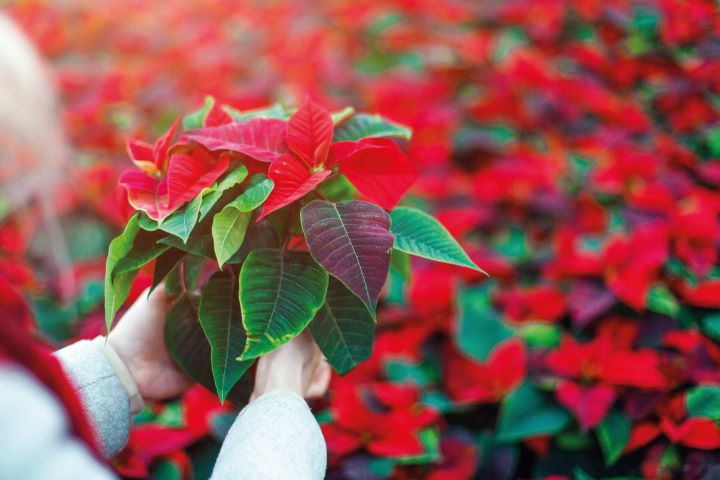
(276, 437)
(104, 398)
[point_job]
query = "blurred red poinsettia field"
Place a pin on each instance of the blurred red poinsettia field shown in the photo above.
(573, 147)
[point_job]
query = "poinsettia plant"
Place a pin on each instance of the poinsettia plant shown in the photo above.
(264, 223)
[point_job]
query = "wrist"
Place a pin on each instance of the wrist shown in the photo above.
(122, 369)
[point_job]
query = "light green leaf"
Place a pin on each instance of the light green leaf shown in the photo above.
(704, 401)
(228, 232)
(182, 222)
(280, 293)
(118, 288)
(343, 328)
(418, 233)
(212, 195)
(257, 191)
(274, 111)
(661, 300)
(613, 434)
(197, 118)
(342, 115)
(400, 262)
(364, 125)
(526, 412)
(220, 319)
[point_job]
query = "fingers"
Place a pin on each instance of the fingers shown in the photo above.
(319, 381)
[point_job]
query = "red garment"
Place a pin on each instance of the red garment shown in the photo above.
(18, 346)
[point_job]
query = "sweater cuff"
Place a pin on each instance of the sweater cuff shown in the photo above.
(122, 372)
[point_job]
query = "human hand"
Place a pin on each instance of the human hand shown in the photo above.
(298, 366)
(139, 341)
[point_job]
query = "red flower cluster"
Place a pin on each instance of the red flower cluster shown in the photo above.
(572, 146)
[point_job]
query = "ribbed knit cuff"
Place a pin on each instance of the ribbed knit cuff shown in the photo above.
(122, 372)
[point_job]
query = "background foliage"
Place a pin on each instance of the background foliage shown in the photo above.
(571, 145)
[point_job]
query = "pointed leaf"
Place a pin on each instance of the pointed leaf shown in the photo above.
(342, 115)
(188, 346)
(352, 241)
(343, 328)
(200, 244)
(262, 138)
(145, 249)
(230, 180)
(164, 265)
(228, 232)
(613, 435)
(292, 180)
(145, 193)
(364, 125)
(196, 119)
(219, 315)
(280, 293)
(382, 174)
(420, 234)
(310, 133)
(257, 191)
(117, 289)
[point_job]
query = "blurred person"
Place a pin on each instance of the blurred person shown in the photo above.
(61, 414)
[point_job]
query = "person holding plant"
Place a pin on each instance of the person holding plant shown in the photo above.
(61, 413)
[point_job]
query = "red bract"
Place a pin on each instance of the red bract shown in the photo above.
(168, 180)
(388, 428)
(469, 381)
(588, 404)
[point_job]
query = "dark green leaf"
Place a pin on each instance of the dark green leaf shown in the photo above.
(280, 293)
(527, 412)
(704, 401)
(343, 328)
(219, 315)
(190, 349)
(613, 434)
(259, 235)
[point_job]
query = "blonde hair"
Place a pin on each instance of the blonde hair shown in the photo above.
(33, 149)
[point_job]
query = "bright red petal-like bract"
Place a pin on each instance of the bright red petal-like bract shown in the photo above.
(310, 132)
(146, 193)
(189, 174)
(383, 174)
(588, 404)
(262, 138)
(292, 180)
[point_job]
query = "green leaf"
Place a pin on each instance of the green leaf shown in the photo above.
(220, 319)
(228, 232)
(144, 250)
(164, 265)
(613, 434)
(198, 244)
(212, 195)
(257, 191)
(661, 300)
(480, 326)
(418, 233)
(400, 262)
(182, 222)
(711, 326)
(342, 115)
(704, 401)
(343, 328)
(364, 125)
(280, 293)
(188, 346)
(118, 288)
(197, 119)
(430, 439)
(274, 111)
(526, 412)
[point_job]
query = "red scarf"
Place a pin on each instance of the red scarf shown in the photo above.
(18, 346)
